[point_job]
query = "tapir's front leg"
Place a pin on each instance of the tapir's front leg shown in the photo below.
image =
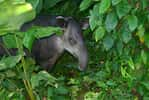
(48, 64)
(47, 50)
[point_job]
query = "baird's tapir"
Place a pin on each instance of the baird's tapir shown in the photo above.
(47, 50)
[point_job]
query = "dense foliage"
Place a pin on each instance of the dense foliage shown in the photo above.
(117, 41)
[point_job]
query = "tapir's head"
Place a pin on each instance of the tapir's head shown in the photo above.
(73, 42)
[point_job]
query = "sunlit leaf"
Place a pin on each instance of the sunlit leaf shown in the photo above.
(15, 15)
(115, 2)
(104, 6)
(28, 40)
(85, 4)
(99, 33)
(37, 4)
(144, 56)
(41, 32)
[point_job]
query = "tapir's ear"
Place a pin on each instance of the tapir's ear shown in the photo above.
(84, 23)
(62, 21)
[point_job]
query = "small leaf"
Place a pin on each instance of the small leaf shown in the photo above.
(132, 22)
(9, 62)
(99, 33)
(85, 4)
(115, 2)
(122, 8)
(108, 42)
(126, 34)
(119, 47)
(111, 21)
(28, 40)
(104, 6)
(144, 56)
(131, 64)
(146, 39)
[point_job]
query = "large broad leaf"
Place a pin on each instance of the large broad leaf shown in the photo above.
(132, 22)
(85, 4)
(37, 4)
(108, 42)
(9, 62)
(104, 6)
(41, 32)
(99, 33)
(122, 8)
(111, 21)
(13, 15)
(95, 18)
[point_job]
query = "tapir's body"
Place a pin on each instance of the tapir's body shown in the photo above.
(47, 50)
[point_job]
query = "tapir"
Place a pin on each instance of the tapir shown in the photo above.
(47, 50)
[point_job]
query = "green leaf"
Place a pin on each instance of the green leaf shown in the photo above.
(130, 63)
(125, 32)
(111, 21)
(146, 84)
(41, 32)
(37, 4)
(99, 33)
(9, 62)
(9, 41)
(42, 76)
(119, 47)
(61, 90)
(122, 8)
(115, 2)
(101, 84)
(85, 4)
(146, 39)
(50, 3)
(95, 18)
(15, 15)
(108, 42)
(28, 40)
(132, 22)
(104, 6)
(144, 56)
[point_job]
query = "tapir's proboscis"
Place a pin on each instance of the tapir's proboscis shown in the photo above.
(46, 51)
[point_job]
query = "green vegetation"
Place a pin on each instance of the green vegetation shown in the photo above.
(117, 42)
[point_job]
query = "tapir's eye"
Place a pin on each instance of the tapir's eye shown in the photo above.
(72, 41)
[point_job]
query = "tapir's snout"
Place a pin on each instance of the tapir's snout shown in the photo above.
(74, 43)
(83, 59)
